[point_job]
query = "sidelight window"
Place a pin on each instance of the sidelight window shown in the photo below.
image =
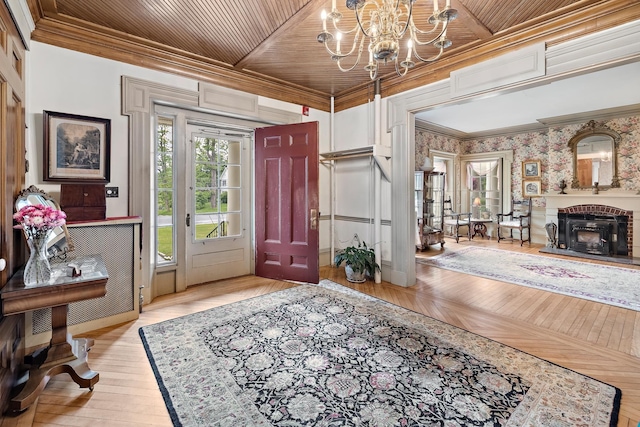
(165, 194)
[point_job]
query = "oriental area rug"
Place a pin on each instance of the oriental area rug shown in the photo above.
(325, 355)
(601, 283)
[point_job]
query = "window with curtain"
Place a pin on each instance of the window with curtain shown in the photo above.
(485, 187)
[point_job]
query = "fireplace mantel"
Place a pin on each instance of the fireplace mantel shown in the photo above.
(622, 199)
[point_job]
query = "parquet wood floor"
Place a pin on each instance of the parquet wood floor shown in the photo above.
(595, 339)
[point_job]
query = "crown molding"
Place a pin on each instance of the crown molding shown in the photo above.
(543, 126)
(603, 115)
(142, 53)
(494, 133)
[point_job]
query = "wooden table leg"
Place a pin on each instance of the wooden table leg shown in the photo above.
(479, 228)
(64, 355)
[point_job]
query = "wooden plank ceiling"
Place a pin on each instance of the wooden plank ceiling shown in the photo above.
(269, 47)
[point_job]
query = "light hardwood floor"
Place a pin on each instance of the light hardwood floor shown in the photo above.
(597, 340)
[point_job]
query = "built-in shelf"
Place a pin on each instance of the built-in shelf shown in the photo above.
(380, 153)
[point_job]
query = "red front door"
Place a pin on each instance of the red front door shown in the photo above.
(287, 202)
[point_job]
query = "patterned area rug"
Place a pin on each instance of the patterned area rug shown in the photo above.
(325, 355)
(602, 283)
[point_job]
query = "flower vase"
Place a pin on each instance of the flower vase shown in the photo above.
(37, 270)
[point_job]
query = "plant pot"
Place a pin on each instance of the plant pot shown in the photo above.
(354, 277)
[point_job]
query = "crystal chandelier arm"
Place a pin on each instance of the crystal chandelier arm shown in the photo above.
(416, 32)
(338, 58)
(406, 68)
(350, 68)
(373, 71)
(354, 29)
(431, 59)
(359, 23)
(339, 55)
(409, 21)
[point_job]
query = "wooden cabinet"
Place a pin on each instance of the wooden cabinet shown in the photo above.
(429, 188)
(12, 345)
(83, 202)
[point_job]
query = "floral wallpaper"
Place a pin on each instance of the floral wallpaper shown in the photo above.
(426, 141)
(550, 147)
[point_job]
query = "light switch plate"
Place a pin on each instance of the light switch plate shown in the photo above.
(111, 191)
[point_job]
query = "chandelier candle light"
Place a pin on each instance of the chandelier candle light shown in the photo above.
(37, 221)
(383, 24)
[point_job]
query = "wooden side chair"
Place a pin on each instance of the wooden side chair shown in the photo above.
(453, 221)
(518, 219)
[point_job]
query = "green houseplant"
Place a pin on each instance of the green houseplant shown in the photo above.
(360, 261)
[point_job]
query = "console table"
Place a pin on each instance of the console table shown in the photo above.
(63, 354)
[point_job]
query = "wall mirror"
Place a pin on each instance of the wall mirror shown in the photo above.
(59, 243)
(595, 157)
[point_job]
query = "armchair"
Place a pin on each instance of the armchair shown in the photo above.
(452, 222)
(518, 219)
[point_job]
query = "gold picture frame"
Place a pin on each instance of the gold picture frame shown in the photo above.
(532, 188)
(531, 169)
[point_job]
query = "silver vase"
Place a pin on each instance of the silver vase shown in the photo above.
(37, 270)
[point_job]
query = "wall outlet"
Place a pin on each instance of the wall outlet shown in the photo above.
(111, 191)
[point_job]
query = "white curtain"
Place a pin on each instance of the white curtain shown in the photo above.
(479, 169)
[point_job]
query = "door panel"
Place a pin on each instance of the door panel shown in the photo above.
(287, 245)
(218, 234)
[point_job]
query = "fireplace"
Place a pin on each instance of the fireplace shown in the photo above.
(592, 237)
(593, 232)
(621, 206)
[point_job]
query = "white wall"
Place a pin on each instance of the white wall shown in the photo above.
(66, 81)
(355, 179)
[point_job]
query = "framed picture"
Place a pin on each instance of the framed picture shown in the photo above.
(76, 148)
(531, 188)
(531, 169)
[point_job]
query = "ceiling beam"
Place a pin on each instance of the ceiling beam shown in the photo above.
(470, 21)
(311, 8)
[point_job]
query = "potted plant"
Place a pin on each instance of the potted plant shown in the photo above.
(360, 262)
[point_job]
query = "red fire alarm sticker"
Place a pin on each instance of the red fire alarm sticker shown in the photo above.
(305, 110)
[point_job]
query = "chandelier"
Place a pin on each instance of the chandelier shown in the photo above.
(381, 26)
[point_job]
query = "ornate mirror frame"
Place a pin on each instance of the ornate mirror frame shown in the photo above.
(591, 129)
(59, 244)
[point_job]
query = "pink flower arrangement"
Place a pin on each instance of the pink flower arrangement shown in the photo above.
(37, 220)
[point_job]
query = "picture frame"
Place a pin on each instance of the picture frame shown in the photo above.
(77, 149)
(531, 188)
(531, 169)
